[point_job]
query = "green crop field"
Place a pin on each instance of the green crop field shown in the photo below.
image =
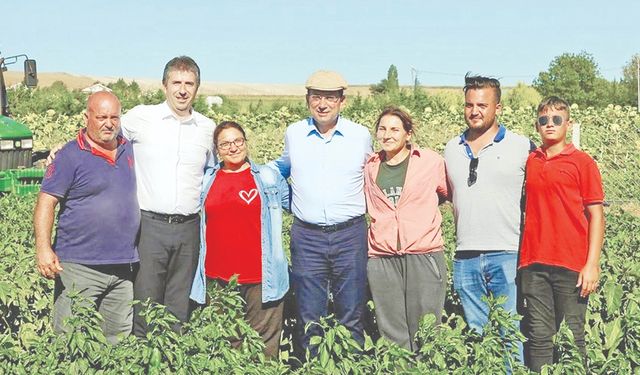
(28, 345)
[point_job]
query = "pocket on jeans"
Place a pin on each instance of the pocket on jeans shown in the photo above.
(434, 266)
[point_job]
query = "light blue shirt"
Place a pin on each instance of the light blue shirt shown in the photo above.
(326, 173)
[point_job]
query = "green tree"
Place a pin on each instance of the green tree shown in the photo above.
(522, 96)
(129, 94)
(392, 79)
(629, 82)
(618, 93)
(388, 85)
(153, 97)
(576, 78)
(55, 97)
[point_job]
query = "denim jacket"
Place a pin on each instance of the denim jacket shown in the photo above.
(274, 196)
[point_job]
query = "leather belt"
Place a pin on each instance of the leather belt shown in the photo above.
(329, 228)
(170, 218)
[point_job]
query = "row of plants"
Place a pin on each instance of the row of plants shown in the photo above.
(611, 135)
(28, 343)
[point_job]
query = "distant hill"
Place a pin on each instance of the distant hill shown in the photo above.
(207, 88)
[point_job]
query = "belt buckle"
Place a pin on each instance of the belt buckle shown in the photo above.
(330, 228)
(171, 219)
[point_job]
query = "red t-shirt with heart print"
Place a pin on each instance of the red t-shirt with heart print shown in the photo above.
(233, 232)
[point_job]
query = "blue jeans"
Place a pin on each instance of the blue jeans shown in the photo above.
(477, 274)
(329, 261)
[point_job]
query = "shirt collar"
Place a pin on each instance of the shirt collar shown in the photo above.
(499, 135)
(84, 144)
(339, 129)
(568, 149)
(378, 156)
(167, 112)
(253, 166)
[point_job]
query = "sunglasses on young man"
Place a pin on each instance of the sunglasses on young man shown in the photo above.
(544, 120)
(473, 171)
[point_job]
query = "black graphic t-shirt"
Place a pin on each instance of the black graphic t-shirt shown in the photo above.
(391, 178)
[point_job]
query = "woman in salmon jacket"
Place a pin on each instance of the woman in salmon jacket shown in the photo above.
(406, 270)
(241, 234)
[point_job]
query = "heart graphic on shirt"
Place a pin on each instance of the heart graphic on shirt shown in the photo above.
(248, 196)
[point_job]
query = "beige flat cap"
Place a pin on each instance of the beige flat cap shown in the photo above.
(326, 80)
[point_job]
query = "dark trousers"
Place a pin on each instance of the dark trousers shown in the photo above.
(405, 288)
(329, 261)
(264, 318)
(168, 261)
(550, 295)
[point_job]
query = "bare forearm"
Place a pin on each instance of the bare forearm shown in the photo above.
(596, 234)
(47, 261)
(43, 220)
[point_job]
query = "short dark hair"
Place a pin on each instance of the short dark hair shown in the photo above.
(226, 125)
(480, 82)
(554, 102)
(184, 63)
(407, 122)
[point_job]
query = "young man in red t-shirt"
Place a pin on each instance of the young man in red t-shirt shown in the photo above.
(562, 237)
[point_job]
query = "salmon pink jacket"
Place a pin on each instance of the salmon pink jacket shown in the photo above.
(416, 220)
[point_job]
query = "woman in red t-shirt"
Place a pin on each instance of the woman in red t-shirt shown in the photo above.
(235, 245)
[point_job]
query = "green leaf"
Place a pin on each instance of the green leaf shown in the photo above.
(324, 358)
(612, 334)
(613, 296)
(5, 292)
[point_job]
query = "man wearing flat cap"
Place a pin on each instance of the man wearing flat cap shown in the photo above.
(325, 154)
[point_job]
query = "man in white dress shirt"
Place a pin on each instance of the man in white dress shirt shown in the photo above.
(172, 144)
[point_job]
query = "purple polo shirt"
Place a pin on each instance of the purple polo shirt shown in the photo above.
(99, 215)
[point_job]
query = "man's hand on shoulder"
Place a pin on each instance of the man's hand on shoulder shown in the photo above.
(52, 154)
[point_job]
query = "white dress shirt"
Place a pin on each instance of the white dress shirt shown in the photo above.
(170, 157)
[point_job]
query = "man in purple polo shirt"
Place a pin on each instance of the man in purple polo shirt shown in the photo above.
(94, 252)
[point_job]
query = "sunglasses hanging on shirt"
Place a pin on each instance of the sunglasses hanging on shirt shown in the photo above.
(473, 171)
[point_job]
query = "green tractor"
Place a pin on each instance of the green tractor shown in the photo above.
(17, 174)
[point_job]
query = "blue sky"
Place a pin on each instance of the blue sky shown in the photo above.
(284, 41)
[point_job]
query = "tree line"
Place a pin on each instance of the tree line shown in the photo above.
(573, 76)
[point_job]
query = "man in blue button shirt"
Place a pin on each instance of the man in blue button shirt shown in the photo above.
(324, 155)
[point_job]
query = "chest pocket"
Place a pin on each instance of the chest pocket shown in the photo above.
(271, 192)
(273, 197)
(566, 177)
